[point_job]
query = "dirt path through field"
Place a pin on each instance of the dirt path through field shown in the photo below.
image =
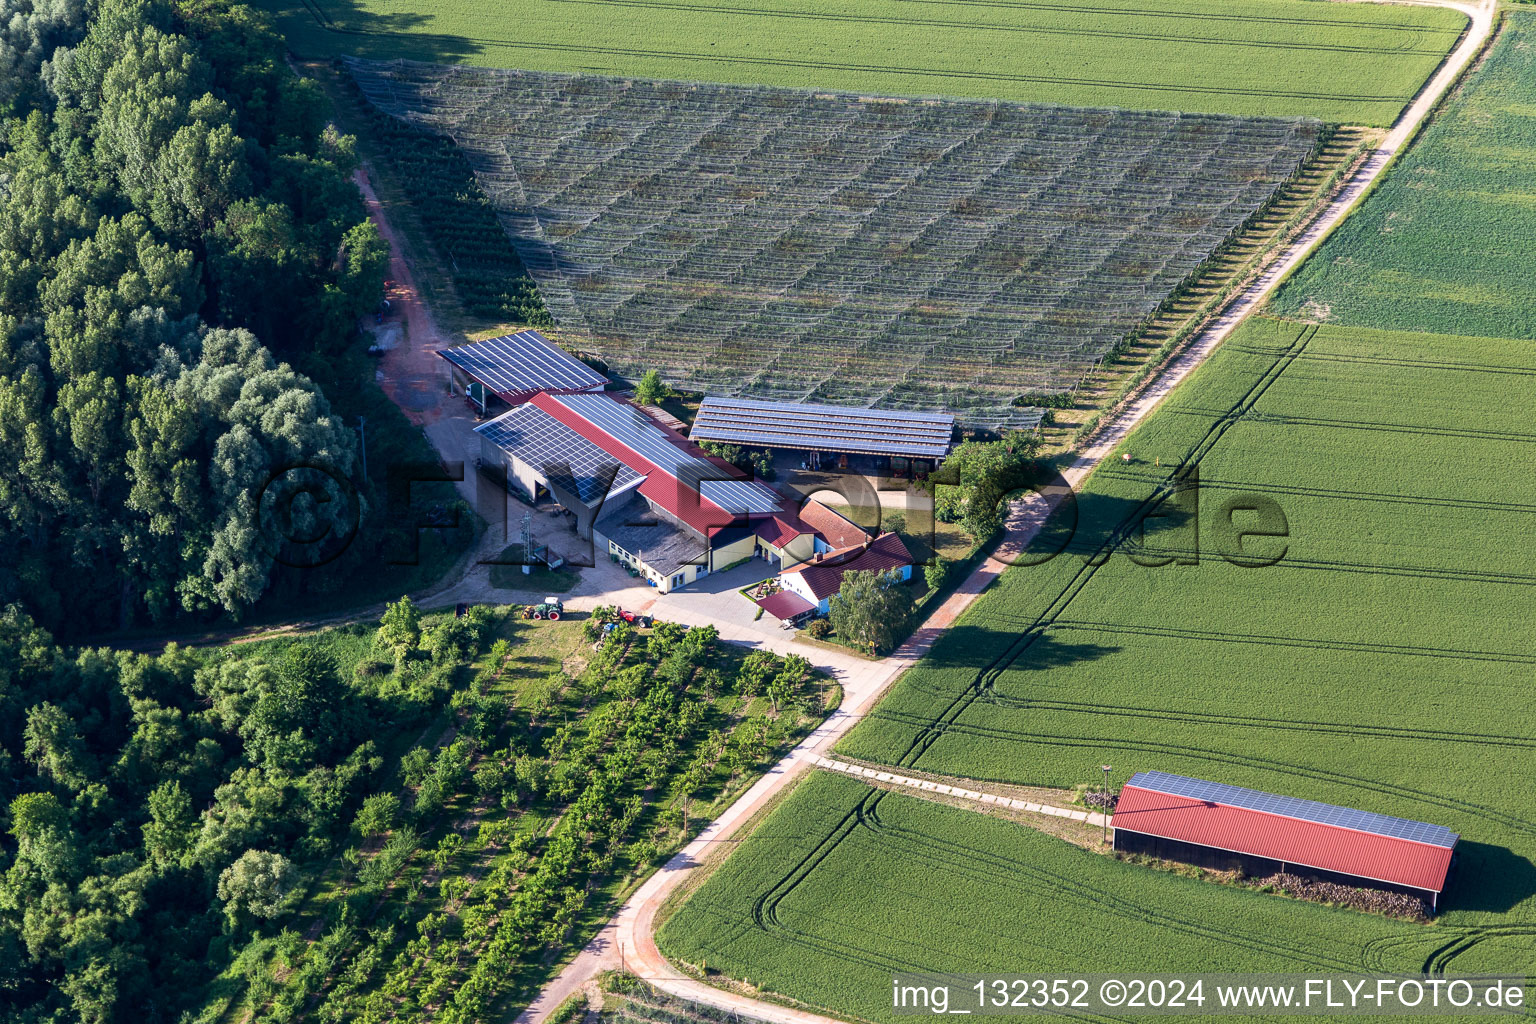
(628, 940)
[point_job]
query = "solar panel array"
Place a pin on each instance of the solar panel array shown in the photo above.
(824, 427)
(537, 439)
(1294, 807)
(521, 363)
(635, 430)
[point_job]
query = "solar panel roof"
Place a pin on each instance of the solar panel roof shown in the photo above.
(1294, 807)
(517, 364)
(537, 439)
(824, 427)
(636, 431)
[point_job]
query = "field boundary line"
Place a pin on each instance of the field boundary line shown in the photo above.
(632, 945)
(947, 789)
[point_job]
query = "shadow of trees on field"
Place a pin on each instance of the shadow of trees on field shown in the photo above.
(351, 27)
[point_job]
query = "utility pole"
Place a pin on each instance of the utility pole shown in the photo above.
(527, 542)
(1106, 803)
(362, 430)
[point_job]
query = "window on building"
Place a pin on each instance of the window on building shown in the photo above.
(677, 580)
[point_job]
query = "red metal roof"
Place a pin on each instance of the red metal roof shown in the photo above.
(785, 606)
(824, 573)
(1297, 842)
(660, 486)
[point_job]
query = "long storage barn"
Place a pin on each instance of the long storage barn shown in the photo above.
(515, 367)
(824, 428)
(1219, 826)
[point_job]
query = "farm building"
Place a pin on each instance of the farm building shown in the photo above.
(815, 582)
(644, 494)
(1227, 827)
(904, 442)
(514, 368)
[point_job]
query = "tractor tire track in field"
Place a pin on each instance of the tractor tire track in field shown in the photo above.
(1247, 721)
(1404, 363)
(1405, 793)
(940, 23)
(952, 858)
(986, 678)
(1383, 497)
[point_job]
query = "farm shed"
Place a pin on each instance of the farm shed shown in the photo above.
(1227, 827)
(646, 496)
(817, 580)
(884, 434)
(544, 458)
(515, 367)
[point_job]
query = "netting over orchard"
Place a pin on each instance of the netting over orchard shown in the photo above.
(795, 246)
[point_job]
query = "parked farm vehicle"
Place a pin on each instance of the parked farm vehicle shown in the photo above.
(550, 608)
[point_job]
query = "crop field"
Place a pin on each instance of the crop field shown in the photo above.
(1346, 64)
(1446, 241)
(794, 246)
(1383, 662)
(844, 885)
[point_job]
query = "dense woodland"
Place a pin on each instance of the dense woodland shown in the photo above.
(183, 261)
(401, 821)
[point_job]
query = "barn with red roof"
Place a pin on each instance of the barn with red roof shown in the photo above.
(1227, 827)
(647, 496)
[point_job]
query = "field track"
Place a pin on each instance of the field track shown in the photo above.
(629, 941)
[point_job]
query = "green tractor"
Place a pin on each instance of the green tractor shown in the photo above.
(551, 608)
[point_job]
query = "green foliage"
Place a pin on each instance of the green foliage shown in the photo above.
(936, 572)
(651, 388)
(458, 220)
(261, 884)
(1444, 240)
(871, 609)
(167, 808)
(839, 865)
(378, 814)
(819, 629)
(400, 629)
(1252, 57)
(170, 189)
(970, 486)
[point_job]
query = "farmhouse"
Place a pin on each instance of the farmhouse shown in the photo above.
(1227, 827)
(514, 368)
(645, 495)
(815, 582)
(900, 441)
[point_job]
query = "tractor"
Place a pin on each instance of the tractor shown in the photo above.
(551, 609)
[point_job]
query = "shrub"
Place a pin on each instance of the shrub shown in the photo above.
(819, 629)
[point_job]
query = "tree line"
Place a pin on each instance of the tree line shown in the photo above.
(182, 253)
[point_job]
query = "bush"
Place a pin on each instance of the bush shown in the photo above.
(819, 629)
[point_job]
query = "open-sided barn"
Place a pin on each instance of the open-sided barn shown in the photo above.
(1216, 825)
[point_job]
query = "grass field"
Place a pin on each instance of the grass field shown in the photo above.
(1383, 662)
(1355, 63)
(844, 885)
(789, 246)
(1446, 241)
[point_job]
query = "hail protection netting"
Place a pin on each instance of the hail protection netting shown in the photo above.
(787, 245)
